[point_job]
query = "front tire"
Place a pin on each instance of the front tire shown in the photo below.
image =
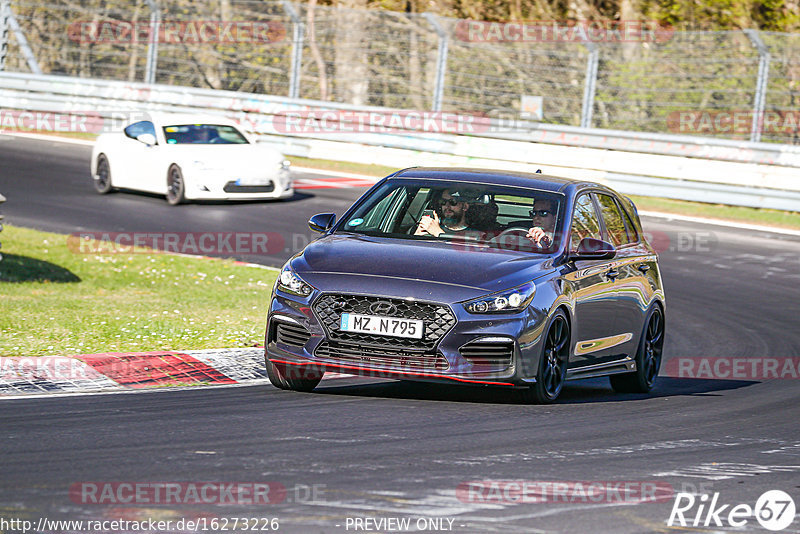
(552, 364)
(281, 379)
(176, 186)
(102, 177)
(648, 357)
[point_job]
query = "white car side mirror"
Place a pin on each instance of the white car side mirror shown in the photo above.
(146, 138)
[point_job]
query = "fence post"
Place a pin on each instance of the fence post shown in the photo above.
(152, 45)
(441, 61)
(298, 36)
(5, 15)
(759, 102)
(589, 84)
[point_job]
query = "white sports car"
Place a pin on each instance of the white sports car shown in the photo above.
(189, 157)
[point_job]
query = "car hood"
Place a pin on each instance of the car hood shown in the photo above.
(423, 269)
(228, 156)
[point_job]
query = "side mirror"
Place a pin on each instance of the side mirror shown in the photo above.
(322, 222)
(593, 249)
(147, 139)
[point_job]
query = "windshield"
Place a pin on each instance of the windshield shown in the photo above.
(479, 214)
(203, 134)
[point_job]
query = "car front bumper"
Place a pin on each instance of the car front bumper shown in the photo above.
(204, 185)
(485, 349)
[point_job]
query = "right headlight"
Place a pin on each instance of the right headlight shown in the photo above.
(508, 301)
(289, 282)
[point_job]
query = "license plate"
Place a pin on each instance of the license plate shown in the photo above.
(252, 181)
(384, 326)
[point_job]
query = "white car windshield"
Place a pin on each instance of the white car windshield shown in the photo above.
(203, 134)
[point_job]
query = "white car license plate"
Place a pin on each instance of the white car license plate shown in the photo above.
(385, 326)
(252, 181)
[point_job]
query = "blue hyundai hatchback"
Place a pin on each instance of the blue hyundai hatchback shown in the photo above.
(470, 276)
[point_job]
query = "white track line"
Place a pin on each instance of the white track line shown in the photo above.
(721, 222)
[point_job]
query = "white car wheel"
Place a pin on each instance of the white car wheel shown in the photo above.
(176, 187)
(102, 178)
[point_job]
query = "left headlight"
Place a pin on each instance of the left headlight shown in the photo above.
(289, 282)
(508, 301)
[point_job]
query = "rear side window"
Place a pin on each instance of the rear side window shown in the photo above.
(138, 128)
(631, 227)
(616, 229)
(584, 221)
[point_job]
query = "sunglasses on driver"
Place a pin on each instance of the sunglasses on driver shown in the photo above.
(540, 213)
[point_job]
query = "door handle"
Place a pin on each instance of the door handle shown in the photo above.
(612, 273)
(644, 267)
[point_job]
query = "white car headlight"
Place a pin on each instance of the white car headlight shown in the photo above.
(289, 282)
(508, 301)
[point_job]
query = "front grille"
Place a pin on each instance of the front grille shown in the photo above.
(438, 320)
(378, 357)
(231, 187)
(291, 334)
(494, 353)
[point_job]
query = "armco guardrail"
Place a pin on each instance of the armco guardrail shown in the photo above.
(684, 167)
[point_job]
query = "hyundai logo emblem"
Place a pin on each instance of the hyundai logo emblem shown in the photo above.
(383, 307)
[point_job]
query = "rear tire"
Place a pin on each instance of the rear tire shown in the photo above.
(648, 357)
(102, 177)
(552, 363)
(176, 186)
(281, 379)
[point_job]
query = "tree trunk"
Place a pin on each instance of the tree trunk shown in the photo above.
(351, 53)
(315, 53)
(415, 76)
(134, 47)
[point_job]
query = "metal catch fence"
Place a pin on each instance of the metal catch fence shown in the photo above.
(741, 85)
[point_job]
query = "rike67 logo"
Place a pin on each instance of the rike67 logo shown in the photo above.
(774, 510)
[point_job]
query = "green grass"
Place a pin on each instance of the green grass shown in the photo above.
(59, 302)
(343, 166)
(87, 136)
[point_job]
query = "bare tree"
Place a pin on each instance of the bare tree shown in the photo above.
(315, 53)
(352, 82)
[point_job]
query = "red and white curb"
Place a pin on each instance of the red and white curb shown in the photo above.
(127, 371)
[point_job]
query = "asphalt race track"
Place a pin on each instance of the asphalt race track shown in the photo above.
(360, 448)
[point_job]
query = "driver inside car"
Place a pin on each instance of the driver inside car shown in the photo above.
(543, 218)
